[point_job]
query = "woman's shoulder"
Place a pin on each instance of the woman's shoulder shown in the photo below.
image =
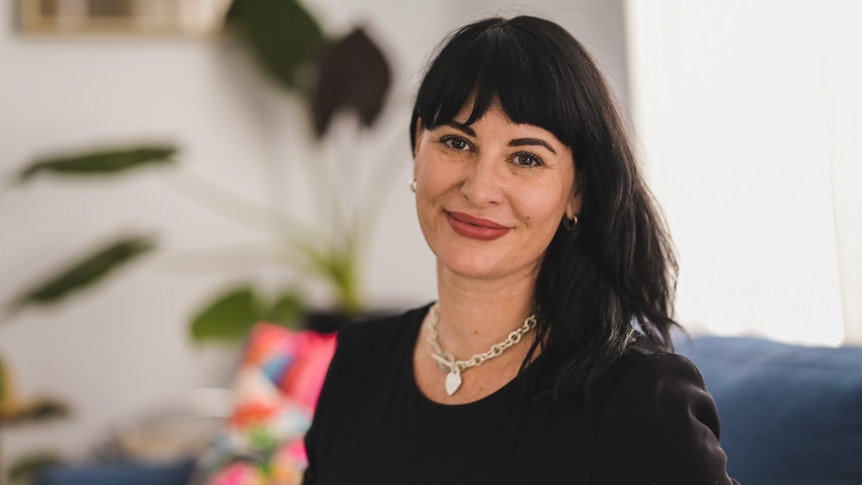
(382, 330)
(649, 358)
(660, 417)
(650, 376)
(654, 369)
(644, 366)
(370, 351)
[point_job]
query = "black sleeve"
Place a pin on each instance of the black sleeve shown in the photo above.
(660, 426)
(326, 404)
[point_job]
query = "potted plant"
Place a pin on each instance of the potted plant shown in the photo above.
(327, 75)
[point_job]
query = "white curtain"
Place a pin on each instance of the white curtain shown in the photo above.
(749, 118)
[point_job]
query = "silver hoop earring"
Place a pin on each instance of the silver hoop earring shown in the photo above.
(413, 186)
(570, 224)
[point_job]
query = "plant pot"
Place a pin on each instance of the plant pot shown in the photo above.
(329, 321)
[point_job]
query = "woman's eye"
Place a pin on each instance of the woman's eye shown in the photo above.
(527, 160)
(456, 143)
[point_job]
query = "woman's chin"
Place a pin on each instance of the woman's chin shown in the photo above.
(477, 267)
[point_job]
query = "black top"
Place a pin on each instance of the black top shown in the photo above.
(651, 423)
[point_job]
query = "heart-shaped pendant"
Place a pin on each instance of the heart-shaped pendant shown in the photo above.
(453, 381)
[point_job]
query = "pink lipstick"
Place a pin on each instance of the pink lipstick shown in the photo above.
(475, 228)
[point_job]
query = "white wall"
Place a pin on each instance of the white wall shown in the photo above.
(119, 348)
(749, 117)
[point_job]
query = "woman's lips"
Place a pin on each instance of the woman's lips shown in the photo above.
(475, 228)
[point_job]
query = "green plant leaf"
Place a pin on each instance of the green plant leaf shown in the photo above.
(231, 18)
(228, 317)
(287, 310)
(104, 162)
(282, 34)
(338, 267)
(354, 74)
(85, 272)
(25, 469)
(7, 391)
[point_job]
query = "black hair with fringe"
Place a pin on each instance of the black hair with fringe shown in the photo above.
(612, 279)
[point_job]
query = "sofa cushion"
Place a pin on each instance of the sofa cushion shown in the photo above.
(276, 391)
(168, 473)
(789, 414)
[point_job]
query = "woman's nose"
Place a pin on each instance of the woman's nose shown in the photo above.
(482, 184)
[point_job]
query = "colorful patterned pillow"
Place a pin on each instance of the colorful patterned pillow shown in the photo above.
(276, 391)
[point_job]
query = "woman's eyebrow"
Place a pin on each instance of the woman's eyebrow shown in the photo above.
(519, 142)
(462, 127)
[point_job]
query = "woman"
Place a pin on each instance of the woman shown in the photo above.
(545, 359)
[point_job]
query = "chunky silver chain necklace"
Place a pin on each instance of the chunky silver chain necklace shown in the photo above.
(453, 367)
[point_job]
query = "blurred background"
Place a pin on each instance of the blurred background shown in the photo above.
(227, 186)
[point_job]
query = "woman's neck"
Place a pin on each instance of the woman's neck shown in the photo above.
(475, 314)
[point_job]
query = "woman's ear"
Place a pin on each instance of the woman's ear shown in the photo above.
(573, 208)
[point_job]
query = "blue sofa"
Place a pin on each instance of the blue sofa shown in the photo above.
(125, 473)
(790, 415)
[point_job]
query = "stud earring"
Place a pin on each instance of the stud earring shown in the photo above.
(413, 186)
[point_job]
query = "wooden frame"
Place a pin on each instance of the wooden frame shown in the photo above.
(174, 17)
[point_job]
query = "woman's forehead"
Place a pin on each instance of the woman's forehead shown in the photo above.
(494, 110)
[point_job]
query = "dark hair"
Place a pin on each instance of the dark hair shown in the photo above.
(613, 277)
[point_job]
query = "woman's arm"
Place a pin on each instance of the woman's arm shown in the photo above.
(660, 426)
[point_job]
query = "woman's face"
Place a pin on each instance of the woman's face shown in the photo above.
(490, 196)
